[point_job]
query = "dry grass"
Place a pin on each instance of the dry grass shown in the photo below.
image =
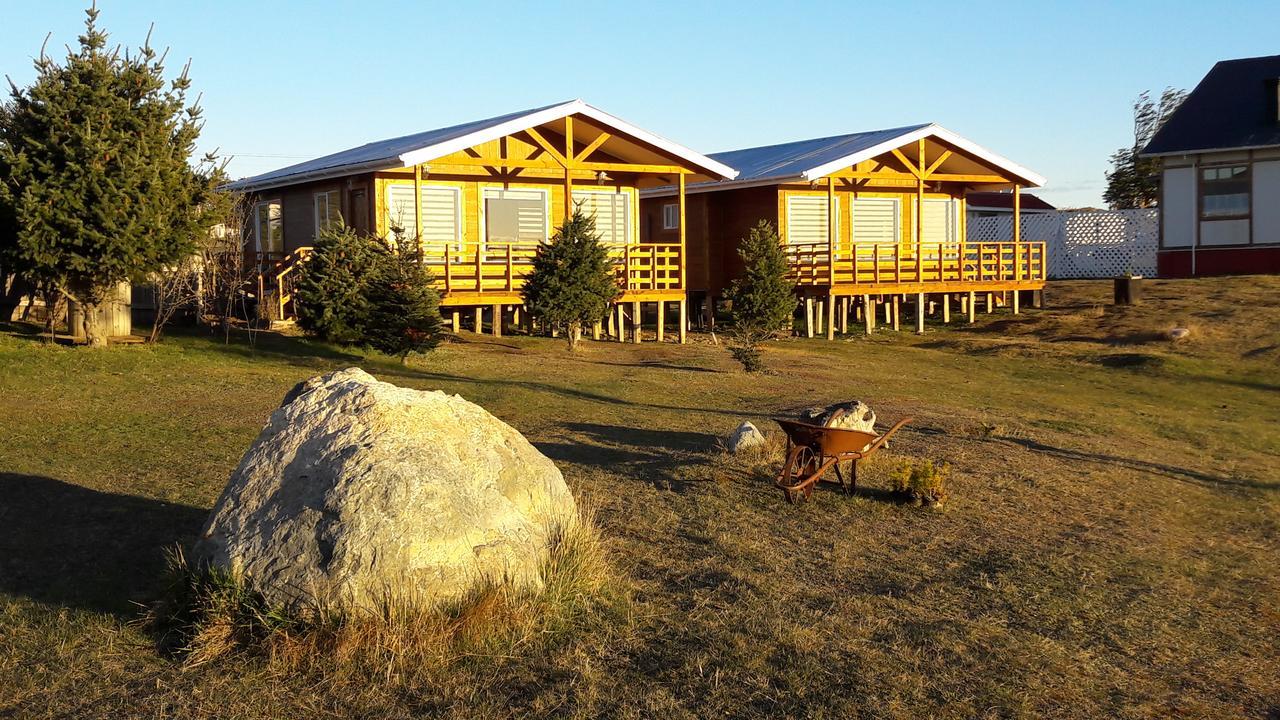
(1108, 548)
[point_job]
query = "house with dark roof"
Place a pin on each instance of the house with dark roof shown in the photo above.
(478, 199)
(867, 219)
(1220, 173)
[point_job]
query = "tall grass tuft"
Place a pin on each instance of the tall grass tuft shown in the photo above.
(208, 615)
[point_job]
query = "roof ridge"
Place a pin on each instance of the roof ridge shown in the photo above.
(843, 136)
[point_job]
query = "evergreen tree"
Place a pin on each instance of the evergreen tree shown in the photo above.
(1133, 181)
(332, 294)
(96, 186)
(762, 300)
(404, 309)
(572, 282)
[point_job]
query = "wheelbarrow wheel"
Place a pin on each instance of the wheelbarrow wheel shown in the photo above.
(796, 478)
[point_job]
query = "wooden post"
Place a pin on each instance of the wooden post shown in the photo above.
(1016, 293)
(946, 308)
(417, 206)
(457, 321)
(479, 317)
(595, 330)
(635, 310)
(622, 323)
(609, 330)
(1017, 218)
(991, 299)
(684, 317)
(920, 313)
(831, 317)
(662, 318)
(684, 257)
(868, 313)
(897, 310)
(845, 302)
(808, 317)
(497, 321)
(973, 300)
(831, 240)
(888, 311)
(568, 172)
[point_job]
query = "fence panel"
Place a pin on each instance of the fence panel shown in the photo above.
(1084, 243)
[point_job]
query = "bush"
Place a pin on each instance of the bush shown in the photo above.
(572, 282)
(762, 300)
(404, 310)
(922, 482)
(331, 295)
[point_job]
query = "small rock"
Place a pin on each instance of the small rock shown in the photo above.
(746, 437)
(1179, 333)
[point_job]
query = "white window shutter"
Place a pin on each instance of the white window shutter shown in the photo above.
(611, 213)
(807, 219)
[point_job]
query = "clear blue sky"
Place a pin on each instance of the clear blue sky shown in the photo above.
(1047, 85)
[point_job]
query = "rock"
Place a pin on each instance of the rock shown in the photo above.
(852, 415)
(1179, 333)
(358, 490)
(745, 438)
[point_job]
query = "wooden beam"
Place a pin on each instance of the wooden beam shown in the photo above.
(915, 172)
(662, 318)
(1017, 216)
(831, 235)
(936, 163)
(684, 255)
(868, 313)
(581, 167)
(595, 144)
(920, 313)
(417, 207)
(831, 317)
(635, 321)
(542, 143)
(684, 317)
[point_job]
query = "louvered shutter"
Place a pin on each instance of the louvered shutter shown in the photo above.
(807, 219)
(939, 221)
(441, 221)
(875, 220)
(611, 212)
(515, 215)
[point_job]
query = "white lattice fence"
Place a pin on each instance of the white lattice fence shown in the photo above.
(1084, 243)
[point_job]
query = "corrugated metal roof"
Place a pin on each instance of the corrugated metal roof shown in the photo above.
(794, 159)
(1234, 106)
(425, 146)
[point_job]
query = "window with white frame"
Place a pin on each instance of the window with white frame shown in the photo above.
(327, 211)
(269, 226)
(941, 220)
(612, 213)
(515, 216)
(441, 213)
(1224, 192)
(807, 218)
(671, 216)
(875, 222)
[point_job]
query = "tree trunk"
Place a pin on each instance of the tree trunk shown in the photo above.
(93, 332)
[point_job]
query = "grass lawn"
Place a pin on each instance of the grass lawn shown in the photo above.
(1110, 549)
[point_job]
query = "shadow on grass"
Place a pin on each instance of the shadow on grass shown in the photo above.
(1177, 473)
(667, 459)
(263, 343)
(68, 545)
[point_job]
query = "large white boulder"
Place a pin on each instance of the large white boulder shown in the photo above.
(745, 438)
(359, 490)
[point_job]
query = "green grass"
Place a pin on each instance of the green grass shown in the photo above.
(1108, 547)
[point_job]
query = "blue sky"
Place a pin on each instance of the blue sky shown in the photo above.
(1048, 85)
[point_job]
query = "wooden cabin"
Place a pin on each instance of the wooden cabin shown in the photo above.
(867, 219)
(479, 199)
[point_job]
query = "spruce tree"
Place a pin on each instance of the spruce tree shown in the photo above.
(404, 309)
(762, 300)
(332, 294)
(572, 282)
(96, 183)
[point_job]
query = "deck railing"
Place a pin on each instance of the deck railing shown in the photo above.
(938, 262)
(471, 267)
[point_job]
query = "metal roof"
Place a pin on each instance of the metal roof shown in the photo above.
(1234, 107)
(418, 148)
(810, 160)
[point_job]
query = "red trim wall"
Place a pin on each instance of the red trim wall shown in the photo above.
(1218, 261)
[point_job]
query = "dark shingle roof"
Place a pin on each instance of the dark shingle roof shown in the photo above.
(1234, 106)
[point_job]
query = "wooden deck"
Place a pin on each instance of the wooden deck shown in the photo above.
(881, 268)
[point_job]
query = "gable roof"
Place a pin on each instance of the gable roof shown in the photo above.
(1233, 108)
(422, 147)
(809, 160)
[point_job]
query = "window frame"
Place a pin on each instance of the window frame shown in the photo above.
(257, 224)
(1201, 183)
(483, 239)
(671, 216)
(411, 231)
(317, 226)
(832, 207)
(630, 231)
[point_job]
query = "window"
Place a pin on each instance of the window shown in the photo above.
(612, 212)
(515, 216)
(671, 217)
(1224, 192)
(268, 230)
(941, 218)
(807, 219)
(441, 213)
(327, 211)
(875, 221)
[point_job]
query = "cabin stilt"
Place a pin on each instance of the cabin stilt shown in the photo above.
(972, 301)
(920, 308)
(622, 323)
(897, 311)
(868, 314)
(831, 317)
(662, 318)
(635, 312)
(808, 317)
(946, 308)
(455, 320)
(684, 319)
(497, 321)
(1015, 301)
(478, 320)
